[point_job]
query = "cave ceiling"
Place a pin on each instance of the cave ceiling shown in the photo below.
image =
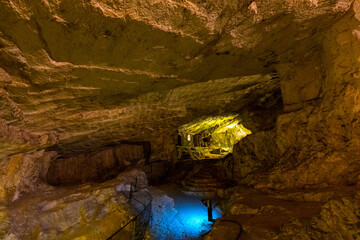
(78, 74)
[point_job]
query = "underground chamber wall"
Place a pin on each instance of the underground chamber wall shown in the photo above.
(97, 166)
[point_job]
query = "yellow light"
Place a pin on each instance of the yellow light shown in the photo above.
(224, 132)
(231, 125)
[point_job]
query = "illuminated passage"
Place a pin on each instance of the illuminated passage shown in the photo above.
(179, 216)
(212, 137)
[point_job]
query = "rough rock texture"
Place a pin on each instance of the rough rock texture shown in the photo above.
(98, 166)
(318, 144)
(85, 73)
(331, 213)
(338, 219)
(316, 140)
(80, 75)
(83, 212)
(163, 207)
(23, 173)
(254, 153)
(262, 216)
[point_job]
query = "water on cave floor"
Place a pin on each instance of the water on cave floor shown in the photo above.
(177, 216)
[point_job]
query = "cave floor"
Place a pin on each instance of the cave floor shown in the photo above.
(263, 214)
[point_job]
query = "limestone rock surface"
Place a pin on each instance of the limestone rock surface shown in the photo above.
(318, 143)
(95, 167)
(23, 173)
(316, 139)
(312, 214)
(80, 74)
(90, 211)
(256, 152)
(338, 219)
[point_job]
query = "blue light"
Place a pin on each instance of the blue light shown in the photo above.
(188, 220)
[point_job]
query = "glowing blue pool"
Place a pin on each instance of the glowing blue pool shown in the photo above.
(180, 217)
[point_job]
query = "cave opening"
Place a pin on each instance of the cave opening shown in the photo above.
(210, 138)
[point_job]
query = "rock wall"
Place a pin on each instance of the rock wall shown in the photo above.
(99, 166)
(256, 152)
(29, 172)
(316, 139)
(23, 173)
(319, 143)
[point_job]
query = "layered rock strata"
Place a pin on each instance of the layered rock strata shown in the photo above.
(86, 73)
